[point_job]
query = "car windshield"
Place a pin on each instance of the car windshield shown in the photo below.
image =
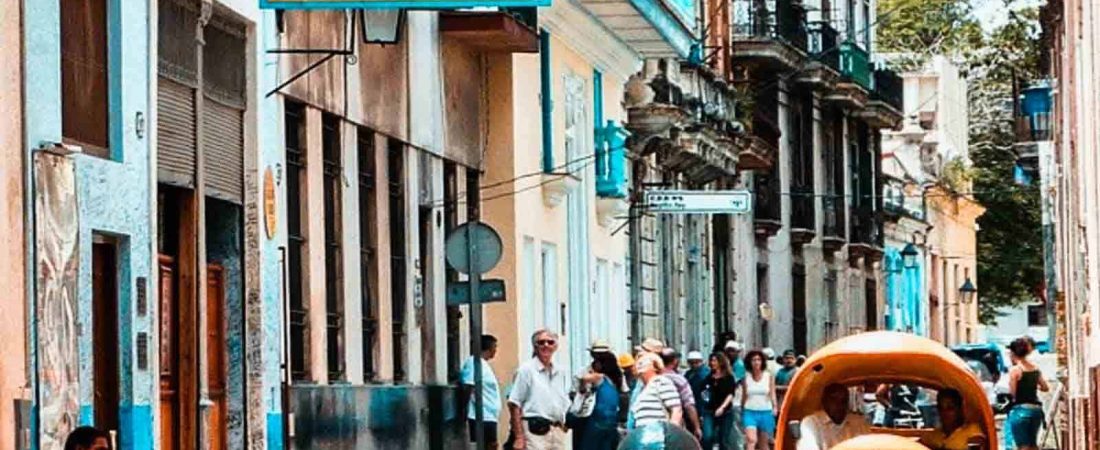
(980, 370)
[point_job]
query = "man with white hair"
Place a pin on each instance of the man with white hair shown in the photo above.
(538, 401)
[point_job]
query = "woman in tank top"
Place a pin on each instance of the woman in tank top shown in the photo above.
(1024, 383)
(758, 403)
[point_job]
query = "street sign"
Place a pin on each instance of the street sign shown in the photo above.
(458, 293)
(485, 239)
(397, 4)
(698, 202)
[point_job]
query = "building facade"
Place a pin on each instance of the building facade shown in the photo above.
(809, 259)
(931, 226)
(1065, 139)
(15, 391)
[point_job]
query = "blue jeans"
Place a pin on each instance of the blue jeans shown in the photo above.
(722, 431)
(1023, 423)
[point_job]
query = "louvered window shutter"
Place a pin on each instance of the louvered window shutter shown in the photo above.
(223, 110)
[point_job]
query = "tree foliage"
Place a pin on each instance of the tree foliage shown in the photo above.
(1010, 257)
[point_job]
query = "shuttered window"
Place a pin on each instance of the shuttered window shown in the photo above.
(223, 80)
(334, 279)
(367, 215)
(84, 75)
(298, 314)
(219, 112)
(177, 79)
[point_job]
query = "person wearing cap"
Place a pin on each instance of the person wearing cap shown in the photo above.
(732, 350)
(626, 363)
(784, 375)
(600, 430)
(538, 402)
(697, 376)
(671, 360)
(771, 363)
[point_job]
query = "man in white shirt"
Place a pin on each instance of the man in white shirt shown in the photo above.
(833, 424)
(490, 393)
(538, 401)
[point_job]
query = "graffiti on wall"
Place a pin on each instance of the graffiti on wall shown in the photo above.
(56, 263)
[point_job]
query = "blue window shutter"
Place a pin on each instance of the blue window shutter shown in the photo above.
(600, 147)
(546, 102)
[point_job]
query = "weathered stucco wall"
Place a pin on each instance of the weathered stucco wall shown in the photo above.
(13, 323)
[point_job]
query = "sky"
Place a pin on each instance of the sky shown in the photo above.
(993, 13)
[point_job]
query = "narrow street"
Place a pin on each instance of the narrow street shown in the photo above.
(549, 224)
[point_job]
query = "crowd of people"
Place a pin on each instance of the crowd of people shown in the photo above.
(725, 400)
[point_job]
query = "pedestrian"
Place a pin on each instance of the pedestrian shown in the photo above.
(600, 430)
(733, 353)
(785, 374)
(490, 393)
(697, 374)
(771, 361)
(88, 438)
(671, 360)
(758, 403)
(652, 345)
(1025, 380)
(658, 400)
(833, 423)
(718, 394)
(630, 382)
(538, 401)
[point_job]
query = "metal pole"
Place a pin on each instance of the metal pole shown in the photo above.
(475, 334)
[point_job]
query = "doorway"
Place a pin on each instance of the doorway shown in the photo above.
(105, 332)
(798, 284)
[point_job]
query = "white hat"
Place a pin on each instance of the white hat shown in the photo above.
(694, 356)
(768, 352)
(733, 345)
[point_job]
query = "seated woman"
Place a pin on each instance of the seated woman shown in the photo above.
(954, 433)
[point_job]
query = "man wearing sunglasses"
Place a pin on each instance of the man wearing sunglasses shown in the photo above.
(538, 401)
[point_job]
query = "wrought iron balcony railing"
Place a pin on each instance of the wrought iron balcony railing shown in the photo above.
(802, 207)
(865, 227)
(833, 206)
(786, 23)
(890, 88)
(824, 44)
(767, 198)
(855, 64)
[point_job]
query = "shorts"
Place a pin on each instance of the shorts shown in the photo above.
(1023, 423)
(762, 421)
(489, 427)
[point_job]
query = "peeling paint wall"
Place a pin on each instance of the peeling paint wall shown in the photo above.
(103, 207)
(223, 247)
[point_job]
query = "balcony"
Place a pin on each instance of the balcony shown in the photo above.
(885, 107)
(834, 225)
(506, 31)
(823, 72)
(766, 205)
(803, 223)
(611, 161)
(756, 153)
(773, 40)
(851, 91)
(866, 237)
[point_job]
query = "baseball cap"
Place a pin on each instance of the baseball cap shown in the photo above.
(600, 346)
(733, 345)
(694, 356)
(625, 360)
(768, 352)
(790, 353)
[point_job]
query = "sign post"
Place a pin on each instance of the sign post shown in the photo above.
(475, 248)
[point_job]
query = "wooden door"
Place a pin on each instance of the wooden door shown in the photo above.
(216, 354)
(169, 362)
(105, 334)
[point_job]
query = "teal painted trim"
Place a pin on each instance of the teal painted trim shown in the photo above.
(274, 431)
(597, 115)
(136, 427)
(87, 415)
(680, 38)
(403, 4)
(546, 102)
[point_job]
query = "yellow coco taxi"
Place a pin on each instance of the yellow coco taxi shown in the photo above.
(883, 357)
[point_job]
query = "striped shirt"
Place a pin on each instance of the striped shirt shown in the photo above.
(655, 402)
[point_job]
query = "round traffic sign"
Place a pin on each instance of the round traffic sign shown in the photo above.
(488, 248)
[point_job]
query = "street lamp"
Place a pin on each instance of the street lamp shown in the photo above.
(381, 26)
(909, 256)
(967, 291)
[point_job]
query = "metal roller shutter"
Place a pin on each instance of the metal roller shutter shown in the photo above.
(223, 151)
(175, 133)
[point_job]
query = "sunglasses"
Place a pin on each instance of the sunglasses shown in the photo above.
(546, 342)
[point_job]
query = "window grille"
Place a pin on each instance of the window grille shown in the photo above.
(367, 263)
(298, 310)
(334, 306)
(396, 174)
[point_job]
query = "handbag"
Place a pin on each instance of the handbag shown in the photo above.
(583, 404)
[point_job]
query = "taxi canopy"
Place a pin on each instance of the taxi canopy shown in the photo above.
(884, 357)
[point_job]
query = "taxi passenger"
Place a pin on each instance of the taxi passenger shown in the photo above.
(832, 424)
(955, 433)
